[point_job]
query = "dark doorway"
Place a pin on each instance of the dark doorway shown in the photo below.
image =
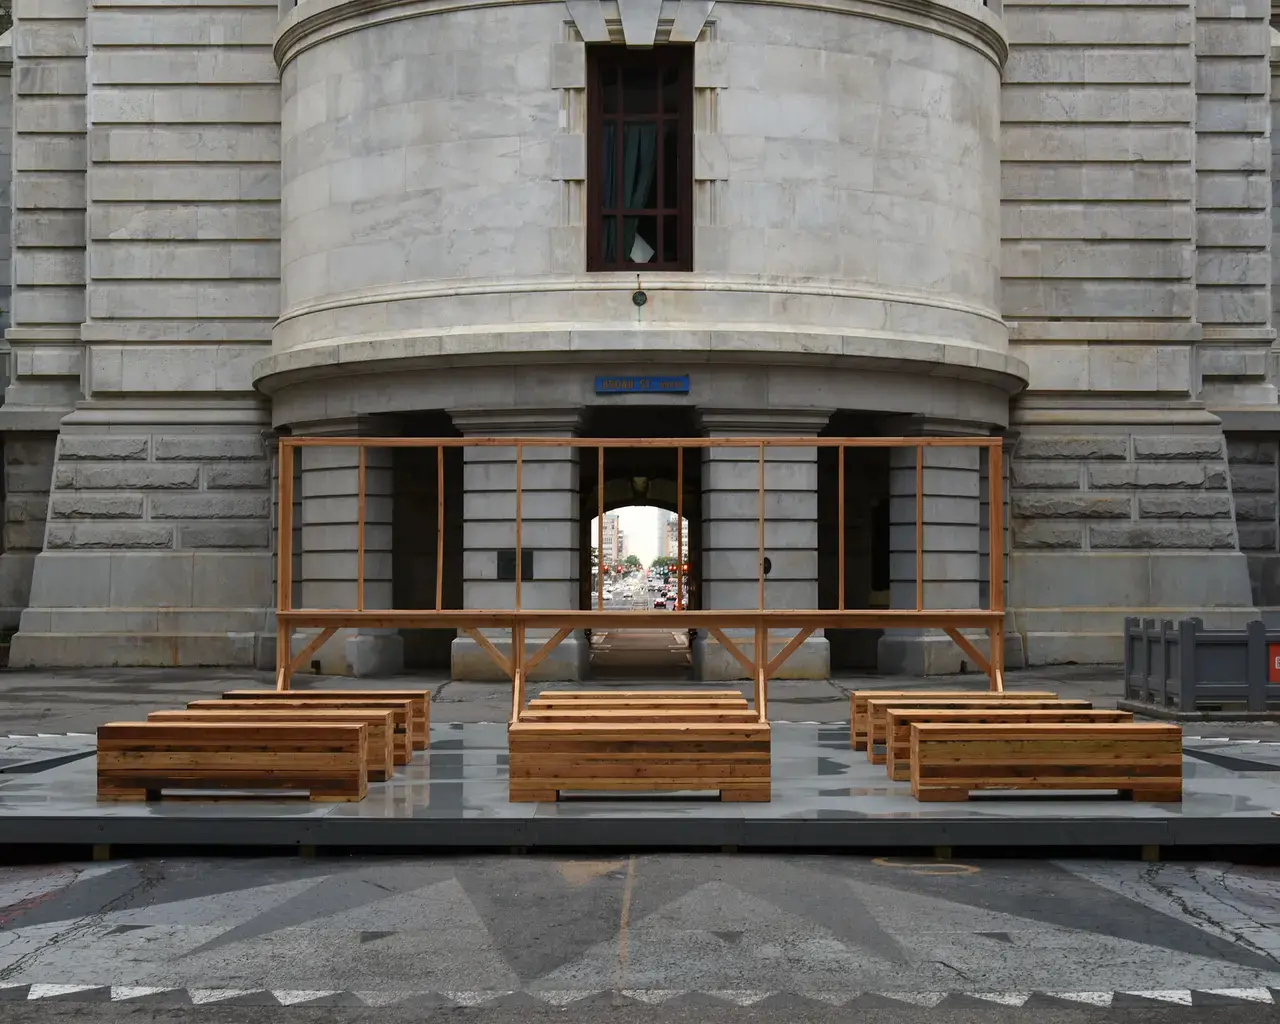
(413, 538)
(640, 488)
(866, 537)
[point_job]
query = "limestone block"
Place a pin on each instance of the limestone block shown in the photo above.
(1161, 535)
(219, 446)
(1257, 537)
(74, 446)
(1184, 506)
(108, 535)
(1069, 447)
(1083, 506)
(1181, 475)
(129, 476)
(1255, 508)
(210, 506)
(1245, 451)
(1047, 535)
(1045, 476)
(96, 506)
(1256, 479)
(231, 476)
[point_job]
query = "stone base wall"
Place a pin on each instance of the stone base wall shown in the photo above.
(157, 549)
(1114, 521)
(1254, 486)
(28, 471)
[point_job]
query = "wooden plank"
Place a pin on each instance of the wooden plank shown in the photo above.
(1140, 760)
(143, 760)
(877, 724)
(899, 721)
(382, 736)
(401, 714)
(640, 695)
(420, 711)
(858, 705)
(541, 704)
(657, 715)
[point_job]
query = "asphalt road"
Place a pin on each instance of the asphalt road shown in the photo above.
(662, 938)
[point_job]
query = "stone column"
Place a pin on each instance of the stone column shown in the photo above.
(951, 516)
(328, 514)
(730, 537)
(549, 534)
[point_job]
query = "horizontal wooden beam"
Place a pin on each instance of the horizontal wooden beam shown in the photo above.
(774, 618)
(641, 442)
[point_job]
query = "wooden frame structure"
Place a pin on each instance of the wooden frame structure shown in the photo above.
(760, 620)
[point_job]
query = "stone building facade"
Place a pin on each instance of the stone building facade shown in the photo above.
(1047, 220)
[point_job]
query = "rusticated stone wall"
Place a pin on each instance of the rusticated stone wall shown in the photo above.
(1109, 493)
(1254, 485)
(28, 468)
(1153, 513)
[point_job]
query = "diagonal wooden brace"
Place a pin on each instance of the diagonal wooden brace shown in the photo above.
(317, 641)
(541, 653)
(486, 645)
(965, 645)
(733, 649)
(793, 645)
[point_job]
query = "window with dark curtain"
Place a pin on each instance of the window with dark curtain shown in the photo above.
(640, 162)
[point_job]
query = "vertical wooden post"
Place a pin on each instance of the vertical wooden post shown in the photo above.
(284, 561)
(760, 553)
(840, 526)
(679, 527)
(519, 514)
(919, 526)
(762, 671)
(439, 527)
(600, 528)
(517, 669)
(995, 558)
(361, 479)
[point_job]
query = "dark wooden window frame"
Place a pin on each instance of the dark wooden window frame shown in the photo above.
(601, 59)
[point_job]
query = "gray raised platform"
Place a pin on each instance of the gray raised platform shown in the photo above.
(825, 796)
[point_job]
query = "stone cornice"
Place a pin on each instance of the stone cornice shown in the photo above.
(964, 21)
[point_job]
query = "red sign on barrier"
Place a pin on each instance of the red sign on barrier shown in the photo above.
(1273, 663)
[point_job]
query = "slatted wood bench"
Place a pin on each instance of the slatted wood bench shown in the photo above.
(549, 758)
(419, 721)
(899, 721)
(858, 705)
(143, 760)
(1141, 761)
(877, 722)
(382, 735)
(401, 714)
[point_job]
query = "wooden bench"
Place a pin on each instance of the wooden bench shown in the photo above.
(381, 723)
(401, 714)
(858, 705)
(419, 721)
(1142, 761)
(561, 695)
(142, 760)
(548, 758)
(899, 721)
(877, 722)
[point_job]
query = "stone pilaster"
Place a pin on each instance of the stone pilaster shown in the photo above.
(549, 533)
(951, 517)
(49, 200)
(730, 537)
(1233, 203)
(28, 473)
(328, 516)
